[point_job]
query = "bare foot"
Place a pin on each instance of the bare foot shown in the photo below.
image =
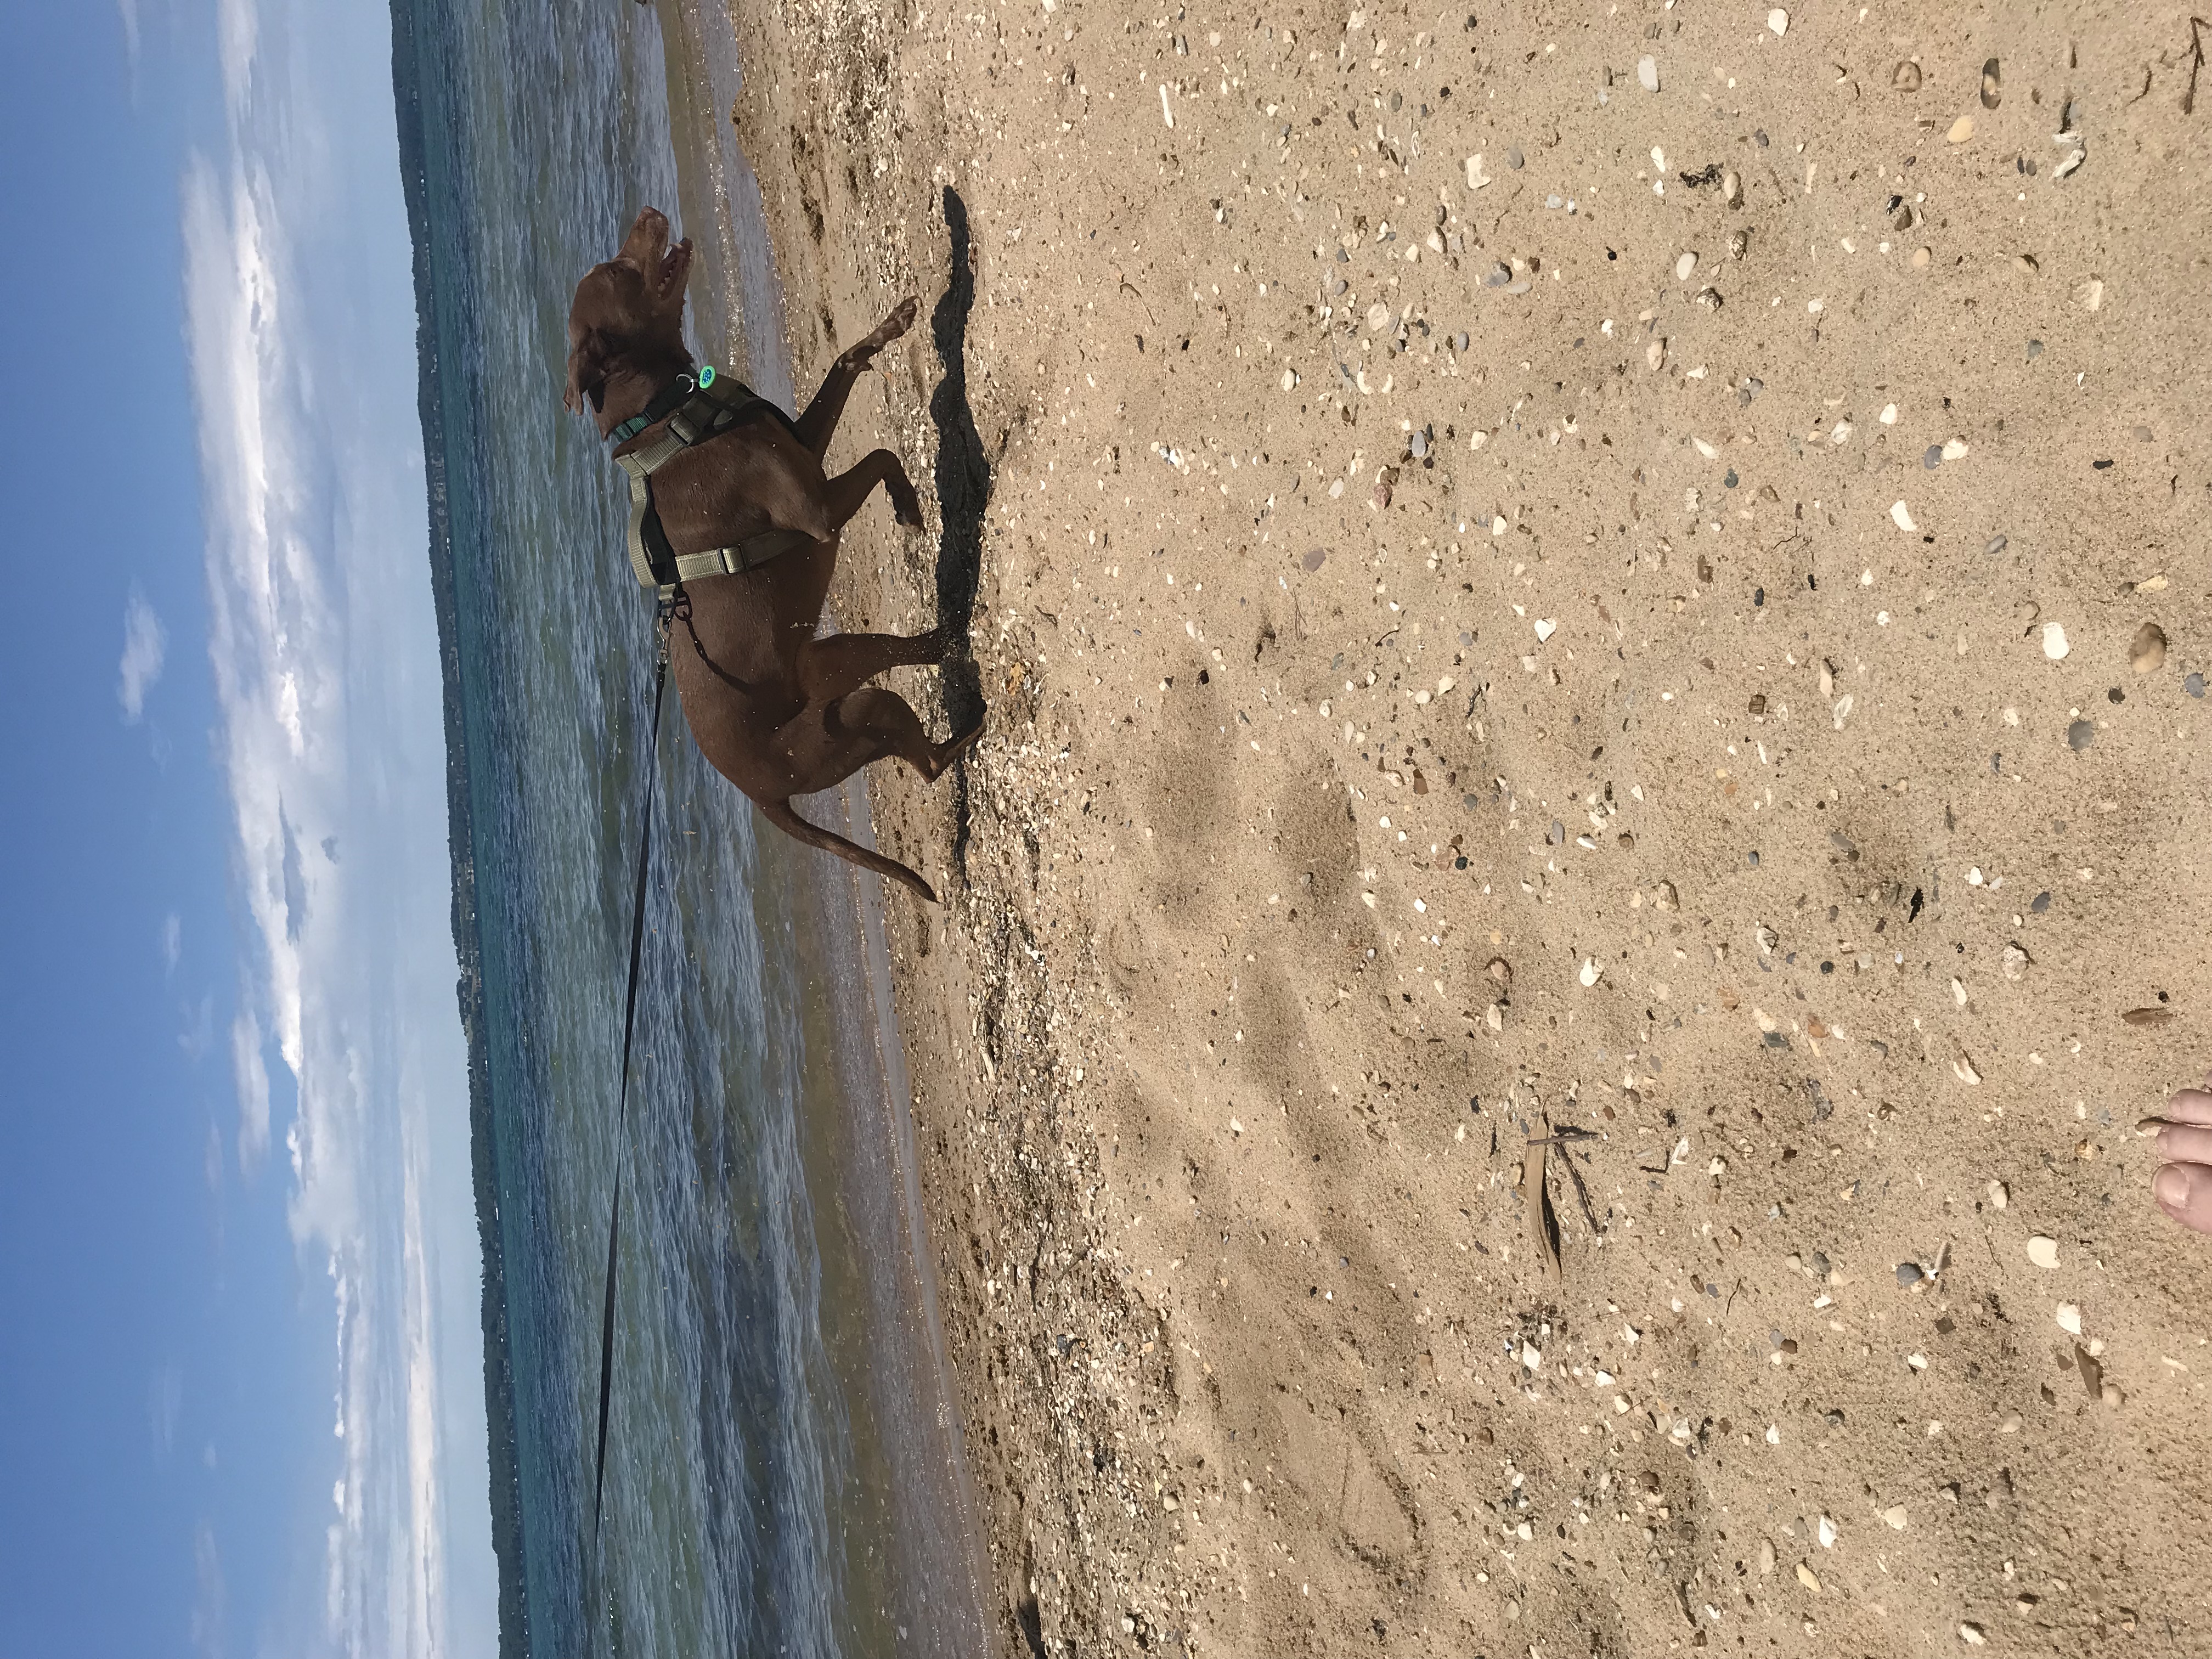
(900, 320)
(2183, 1185)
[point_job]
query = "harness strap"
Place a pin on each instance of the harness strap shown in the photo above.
(749, 554)
(710, 404)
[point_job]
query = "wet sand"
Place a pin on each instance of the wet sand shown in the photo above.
(913, 1561)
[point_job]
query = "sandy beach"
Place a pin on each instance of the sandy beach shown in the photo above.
(1634, 583)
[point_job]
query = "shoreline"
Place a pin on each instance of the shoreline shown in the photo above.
(891, 1360)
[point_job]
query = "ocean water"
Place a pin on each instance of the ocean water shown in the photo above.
(783, 1470)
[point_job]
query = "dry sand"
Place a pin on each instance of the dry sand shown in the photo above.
(1455, 671)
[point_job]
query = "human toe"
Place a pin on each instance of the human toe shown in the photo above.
(2190, 1106)
(2184, 1143)
(2184, 1191)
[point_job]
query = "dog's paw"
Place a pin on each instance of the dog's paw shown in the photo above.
(899, 320)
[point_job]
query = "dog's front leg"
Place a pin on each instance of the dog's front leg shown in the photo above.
(822, 416)
(845, 493)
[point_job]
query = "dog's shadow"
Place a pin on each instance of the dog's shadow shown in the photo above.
(963, 493)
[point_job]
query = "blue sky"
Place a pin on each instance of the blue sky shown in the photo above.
(242, 1406)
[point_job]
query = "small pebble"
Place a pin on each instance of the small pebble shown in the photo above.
(2043, 1252)
(1647, 74)
(1514, 159)
(1997, 544)
(1934, 458)
(1905, 77)
(1805, 1577)
(2193, 684)
(1314, 558)
(1961, 130)
(2080, 734)
(2069, 1318)
(1902, 519)
(2054, 644)
(1420, 444)
(1683, 265)
(1908, 1274)
(1999, 1195)
(1778, 21)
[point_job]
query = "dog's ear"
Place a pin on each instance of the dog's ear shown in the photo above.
(587, 370)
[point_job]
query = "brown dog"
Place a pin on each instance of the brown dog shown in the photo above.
(776, 711)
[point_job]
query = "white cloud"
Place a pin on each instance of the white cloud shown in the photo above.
(196, 1039)
(324, 650)
(145, 644)
(129, 11)
(173, 940)
(165, 1403)
(211, 1602)
(253, 1074)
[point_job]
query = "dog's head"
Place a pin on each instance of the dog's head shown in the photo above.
(629, 308)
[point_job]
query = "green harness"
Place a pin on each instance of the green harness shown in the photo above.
(697, 407)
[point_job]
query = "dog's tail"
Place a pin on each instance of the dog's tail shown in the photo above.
(780, 814)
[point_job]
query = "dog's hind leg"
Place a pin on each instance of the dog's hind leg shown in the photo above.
(844, 494)
(822, 416)
(826, 742)
(830, 668)
(897, 729)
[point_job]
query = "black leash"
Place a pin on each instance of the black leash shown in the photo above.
(679, 610)
(630, 1024)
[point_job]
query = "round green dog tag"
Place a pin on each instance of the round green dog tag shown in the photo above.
(706, 376)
